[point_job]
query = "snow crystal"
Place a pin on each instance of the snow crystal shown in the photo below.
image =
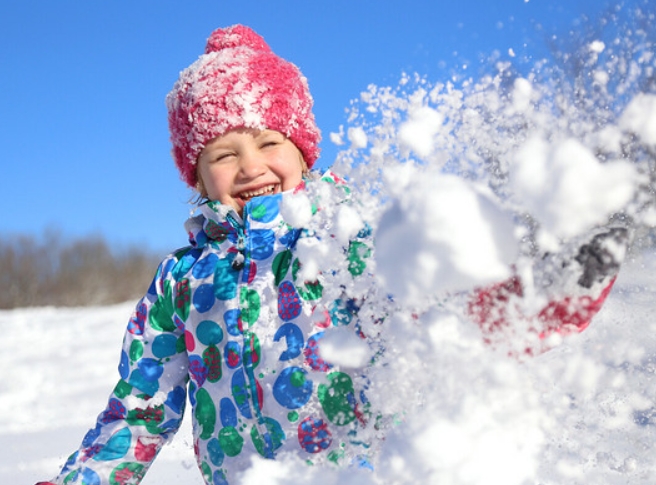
(357, 137)
(423, 247)
(597, 46)
(296, 210)
(639, 117)
(561, 184)
(349, 223)
(313, 254)
(418, 132)
(522, 94)
(344, 348)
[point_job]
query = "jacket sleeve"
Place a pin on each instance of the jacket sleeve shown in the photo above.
(146, 406)
(566, 294)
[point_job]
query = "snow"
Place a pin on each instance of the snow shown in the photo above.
(640, 117)
(581, 413)
(297, 210)
(458, 181)
(357, 137)
(560, 185)
(421, 230)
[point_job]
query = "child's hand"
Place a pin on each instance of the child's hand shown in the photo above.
(602, 256)
(574, 296)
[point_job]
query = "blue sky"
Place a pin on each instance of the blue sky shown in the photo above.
(83, 128)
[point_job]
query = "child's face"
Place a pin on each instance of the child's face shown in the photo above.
(244, 163)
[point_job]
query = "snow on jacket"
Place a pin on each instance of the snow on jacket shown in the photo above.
(228, 322)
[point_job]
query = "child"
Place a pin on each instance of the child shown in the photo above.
(232, 321)
(227, 320)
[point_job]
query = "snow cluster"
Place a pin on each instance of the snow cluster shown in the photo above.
(460, 181)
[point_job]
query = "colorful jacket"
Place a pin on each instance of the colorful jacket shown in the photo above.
(227, 322)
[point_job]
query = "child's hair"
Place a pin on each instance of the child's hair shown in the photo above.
(238, 83)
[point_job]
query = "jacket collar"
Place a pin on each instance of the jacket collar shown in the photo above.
(218, 222)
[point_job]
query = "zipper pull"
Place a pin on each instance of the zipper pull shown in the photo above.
(238, 262)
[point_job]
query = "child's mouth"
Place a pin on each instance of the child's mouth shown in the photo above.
(266, 190)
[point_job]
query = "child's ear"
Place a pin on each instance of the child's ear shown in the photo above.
(200, 188)
(304, 168)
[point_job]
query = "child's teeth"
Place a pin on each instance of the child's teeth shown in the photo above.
(250, 195)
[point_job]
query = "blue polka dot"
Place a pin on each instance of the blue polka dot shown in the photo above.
(262, 243)
(176, 399)
(117, 446)
(228, 412)
(92, 435)
(205, 267)
(150, 369)
(185, 264)
(265, 209)
(231, 319)
(292, 389)
(290, 238)
(138, 380)
(209, 333)
(294, 338)
(164, 345)
(203, 298)
(215, 452)
(89, 477)
(219, 478)
(225, 279)
(124, 366)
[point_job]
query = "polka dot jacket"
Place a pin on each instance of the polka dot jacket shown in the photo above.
(228, 324)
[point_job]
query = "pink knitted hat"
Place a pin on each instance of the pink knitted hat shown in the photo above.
(238, 83)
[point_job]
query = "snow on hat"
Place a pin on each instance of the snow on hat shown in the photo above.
(238, 83)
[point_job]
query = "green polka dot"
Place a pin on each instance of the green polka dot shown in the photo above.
(259, 211)
(122, 389)
(280, 266)
(292, 416)
(336, 398)
(206, 471)
(134, 472)
(231, 441)
(276, 436)
(205, 413)
(357, 253)
(136, 350)
(250, 306)
(297, 378)
(335, 456)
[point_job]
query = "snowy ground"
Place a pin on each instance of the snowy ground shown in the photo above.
(57, 375)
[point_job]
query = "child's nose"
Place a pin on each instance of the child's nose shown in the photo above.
(252, 164)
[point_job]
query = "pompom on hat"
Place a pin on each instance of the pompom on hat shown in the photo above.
(238, 83)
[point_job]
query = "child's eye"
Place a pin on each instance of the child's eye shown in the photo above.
(222, 157)
(269, 143)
